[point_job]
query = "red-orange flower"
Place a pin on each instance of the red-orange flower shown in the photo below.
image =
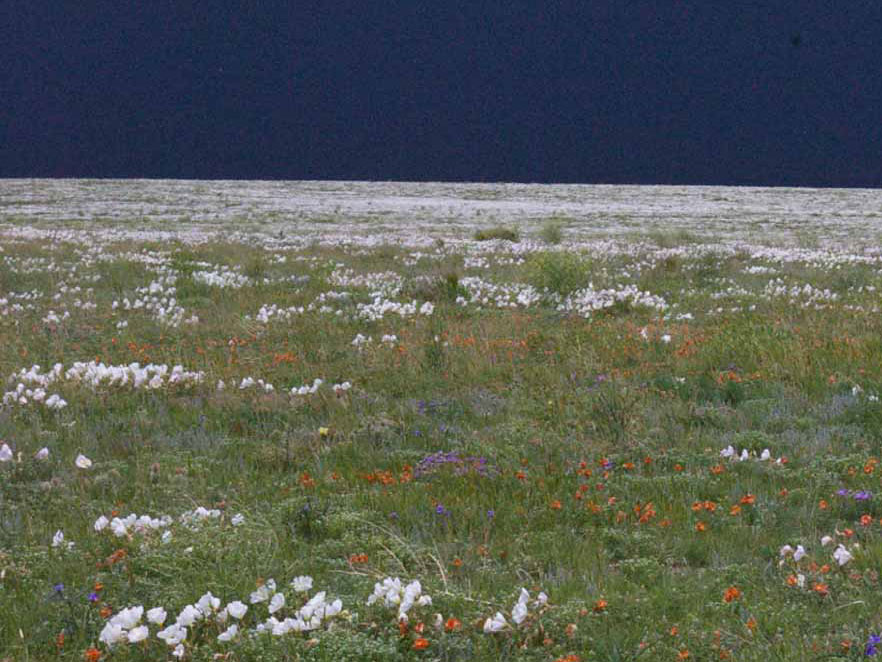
(92, 655)
(452, 624)
(420, 644)
(731, 593)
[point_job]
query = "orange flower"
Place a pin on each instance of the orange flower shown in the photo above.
(457, 563)
(452, 624)
(716, 470)
(600, 606)
(748, 500)
(420, 644)
(823, 505)
(105, 612)
(792, 580)
(358, 558)
(751, 624)
(696, 507)
(92, 655)
(556, 505)
(735, 510)
(710, 506)
(820, 589)
(678, 467)
(675, 631)
(701, 527)
(683, 655)
(866, 520)
(731, 593)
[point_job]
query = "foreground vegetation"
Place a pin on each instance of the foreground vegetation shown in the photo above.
(662, 447)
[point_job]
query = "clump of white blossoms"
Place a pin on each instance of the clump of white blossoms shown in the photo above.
(394, 593)
(519, 612)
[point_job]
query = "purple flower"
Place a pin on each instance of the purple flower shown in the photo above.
(842, 492)
(58, 588)
(93, 597)
(441, 510)
(862, 496)
(871, 644)
(491, 514)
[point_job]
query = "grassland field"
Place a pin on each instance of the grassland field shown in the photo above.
(261, 434)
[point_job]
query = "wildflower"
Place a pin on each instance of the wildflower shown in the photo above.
(229, 633)
(452, 624)
(826, 540)
(495, 624)
(237, 609)
(748, 500)
(871, 649)
(41, 454)
(157, 616)
(731, 593)
(842, 555)
(137, 634)
(420, 644)
(237, 519)
(799, 553)
(302, 584)
(92, 655)
(276, 603)
(82, 461)
(5, 453)
(600, 606)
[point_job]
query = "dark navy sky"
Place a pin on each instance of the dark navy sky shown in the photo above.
(667, 91)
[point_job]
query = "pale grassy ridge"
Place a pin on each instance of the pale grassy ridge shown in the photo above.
(587, 378)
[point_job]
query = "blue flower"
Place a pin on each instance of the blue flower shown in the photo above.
(871, 650)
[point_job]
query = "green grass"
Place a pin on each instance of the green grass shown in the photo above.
(589, 458)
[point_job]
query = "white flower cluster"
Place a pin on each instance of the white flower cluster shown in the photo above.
(731, 454)
(145, 524)
(841, 554)
(158, 298)
(394, 593)
(519, 612)
(378, 308)
(221, 277)
(250, 382)
(338, 389)
(586, 301)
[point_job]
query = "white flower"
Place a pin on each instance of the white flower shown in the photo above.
(541, 599)
(842, 555)
(101, 523)
(83, 462)
(230, 632)
(727, 452)
(188, 616)
(495, 624)
(138, 634)
(111, 634)
(519, 613)
(237, 519)
(666, 339)
(766, 455)
(129, 617)
(41, 454)
(302, 584)
(207, 604)
(786, 550)
(744, 455)
(800, 580)
(263, 593)
(237, 609)
(799, 553)
(174, 634)
(277, 602)
(5, 453)
(58, 539)
(156, 616)
(826, 540)
(179, 650)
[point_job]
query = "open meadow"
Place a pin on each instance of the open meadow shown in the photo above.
(347, 421)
